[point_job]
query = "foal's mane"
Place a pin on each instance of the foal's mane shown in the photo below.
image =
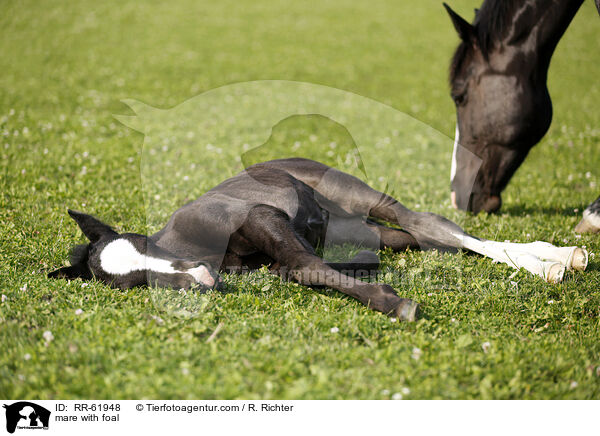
(491, 22)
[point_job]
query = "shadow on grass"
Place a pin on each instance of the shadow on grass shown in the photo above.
(520, 210)
(592, 266)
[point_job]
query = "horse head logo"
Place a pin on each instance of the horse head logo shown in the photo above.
(25, 414)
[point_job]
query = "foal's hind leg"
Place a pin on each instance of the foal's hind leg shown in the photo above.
(270, 230)
(354, 197)
(367, 233)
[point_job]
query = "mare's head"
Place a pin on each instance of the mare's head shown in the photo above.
(128, 260)
(498, 84)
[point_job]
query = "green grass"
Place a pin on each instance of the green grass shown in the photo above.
(65, 67)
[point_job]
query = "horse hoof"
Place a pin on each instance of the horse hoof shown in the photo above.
(586, 225)
(408, 310)
(556, 273)
(579, 259)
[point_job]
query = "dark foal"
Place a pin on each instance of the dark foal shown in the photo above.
(276, 213)
(498, 83)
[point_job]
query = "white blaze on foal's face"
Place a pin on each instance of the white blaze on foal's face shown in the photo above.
(120, 257)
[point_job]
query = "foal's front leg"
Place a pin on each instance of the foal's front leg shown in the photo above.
(270, 231)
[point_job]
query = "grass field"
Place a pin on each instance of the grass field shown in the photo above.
(66, 66)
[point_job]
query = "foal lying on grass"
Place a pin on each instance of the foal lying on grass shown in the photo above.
(277, 213)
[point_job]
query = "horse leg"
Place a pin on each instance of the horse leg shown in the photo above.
(368, 234)
(590, 223)
(271, 231)
(539, 258)
(352, 196)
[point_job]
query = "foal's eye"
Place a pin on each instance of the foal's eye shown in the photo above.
(459, 98)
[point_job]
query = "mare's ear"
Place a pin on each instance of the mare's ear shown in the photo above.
(91, 227)
(465, 30)
(79, 270)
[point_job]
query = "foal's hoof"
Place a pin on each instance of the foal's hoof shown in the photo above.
(408, 310)
(579, 259)
(556, 273)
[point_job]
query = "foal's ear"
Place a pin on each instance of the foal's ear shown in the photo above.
(465, 30)
(79, 270)
(91, 227)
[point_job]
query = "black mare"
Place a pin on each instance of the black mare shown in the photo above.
(498, 82)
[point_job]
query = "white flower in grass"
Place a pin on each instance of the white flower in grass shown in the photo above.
(393, 320)
(486, 346)
(397, 396)
(334, 329)
(385, 392)
(550, 301)
(78, 311)
(416, 353)
(405, 391)
(4, 298)
(27, 356)
(48, 336)
(573, 384)
(24, 287)
(158, 320)
(185, 371)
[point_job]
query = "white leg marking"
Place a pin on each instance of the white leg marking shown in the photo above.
(571, 257)
(551, 271)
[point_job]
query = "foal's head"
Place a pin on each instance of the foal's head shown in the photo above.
(128, 260)
(498, 84)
